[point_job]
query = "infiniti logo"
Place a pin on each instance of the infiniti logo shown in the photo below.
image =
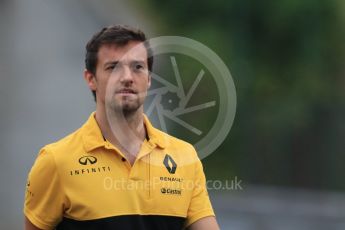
(87, 160)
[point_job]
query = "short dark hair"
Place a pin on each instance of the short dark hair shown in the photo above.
(115, 34)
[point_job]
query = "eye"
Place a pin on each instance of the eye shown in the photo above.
(110, 67)
(138, 66)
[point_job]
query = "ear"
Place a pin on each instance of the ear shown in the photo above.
(90, 80)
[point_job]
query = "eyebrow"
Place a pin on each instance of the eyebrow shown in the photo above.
(139, 61)
(117, 62)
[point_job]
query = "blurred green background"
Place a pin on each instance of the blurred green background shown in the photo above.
(287, 61)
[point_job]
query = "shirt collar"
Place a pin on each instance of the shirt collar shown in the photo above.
(155, 135)
(93, 137)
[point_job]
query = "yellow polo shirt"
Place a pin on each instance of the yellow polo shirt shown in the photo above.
(84, 182)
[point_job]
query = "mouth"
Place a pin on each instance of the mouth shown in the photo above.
(126, 91)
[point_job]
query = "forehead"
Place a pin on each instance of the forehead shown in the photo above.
(133, 50)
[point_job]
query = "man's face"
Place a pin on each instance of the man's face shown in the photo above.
(122, 76)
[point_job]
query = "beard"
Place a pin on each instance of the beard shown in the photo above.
(125, 105)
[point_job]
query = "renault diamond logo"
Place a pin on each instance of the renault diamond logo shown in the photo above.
(87, 160)
(170, 164)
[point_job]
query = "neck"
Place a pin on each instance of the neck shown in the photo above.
(126, 131)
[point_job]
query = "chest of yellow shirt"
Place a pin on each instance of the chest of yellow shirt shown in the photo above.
(102, 184)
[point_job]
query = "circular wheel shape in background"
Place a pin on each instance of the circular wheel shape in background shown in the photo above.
(225, 86)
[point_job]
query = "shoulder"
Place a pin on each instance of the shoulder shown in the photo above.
(168, 141)
(178, 148)
(63, 148)
(174, 142)
(67, 141)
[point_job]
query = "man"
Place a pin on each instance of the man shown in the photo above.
(117, 171)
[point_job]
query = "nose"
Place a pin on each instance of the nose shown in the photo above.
(126, 76)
